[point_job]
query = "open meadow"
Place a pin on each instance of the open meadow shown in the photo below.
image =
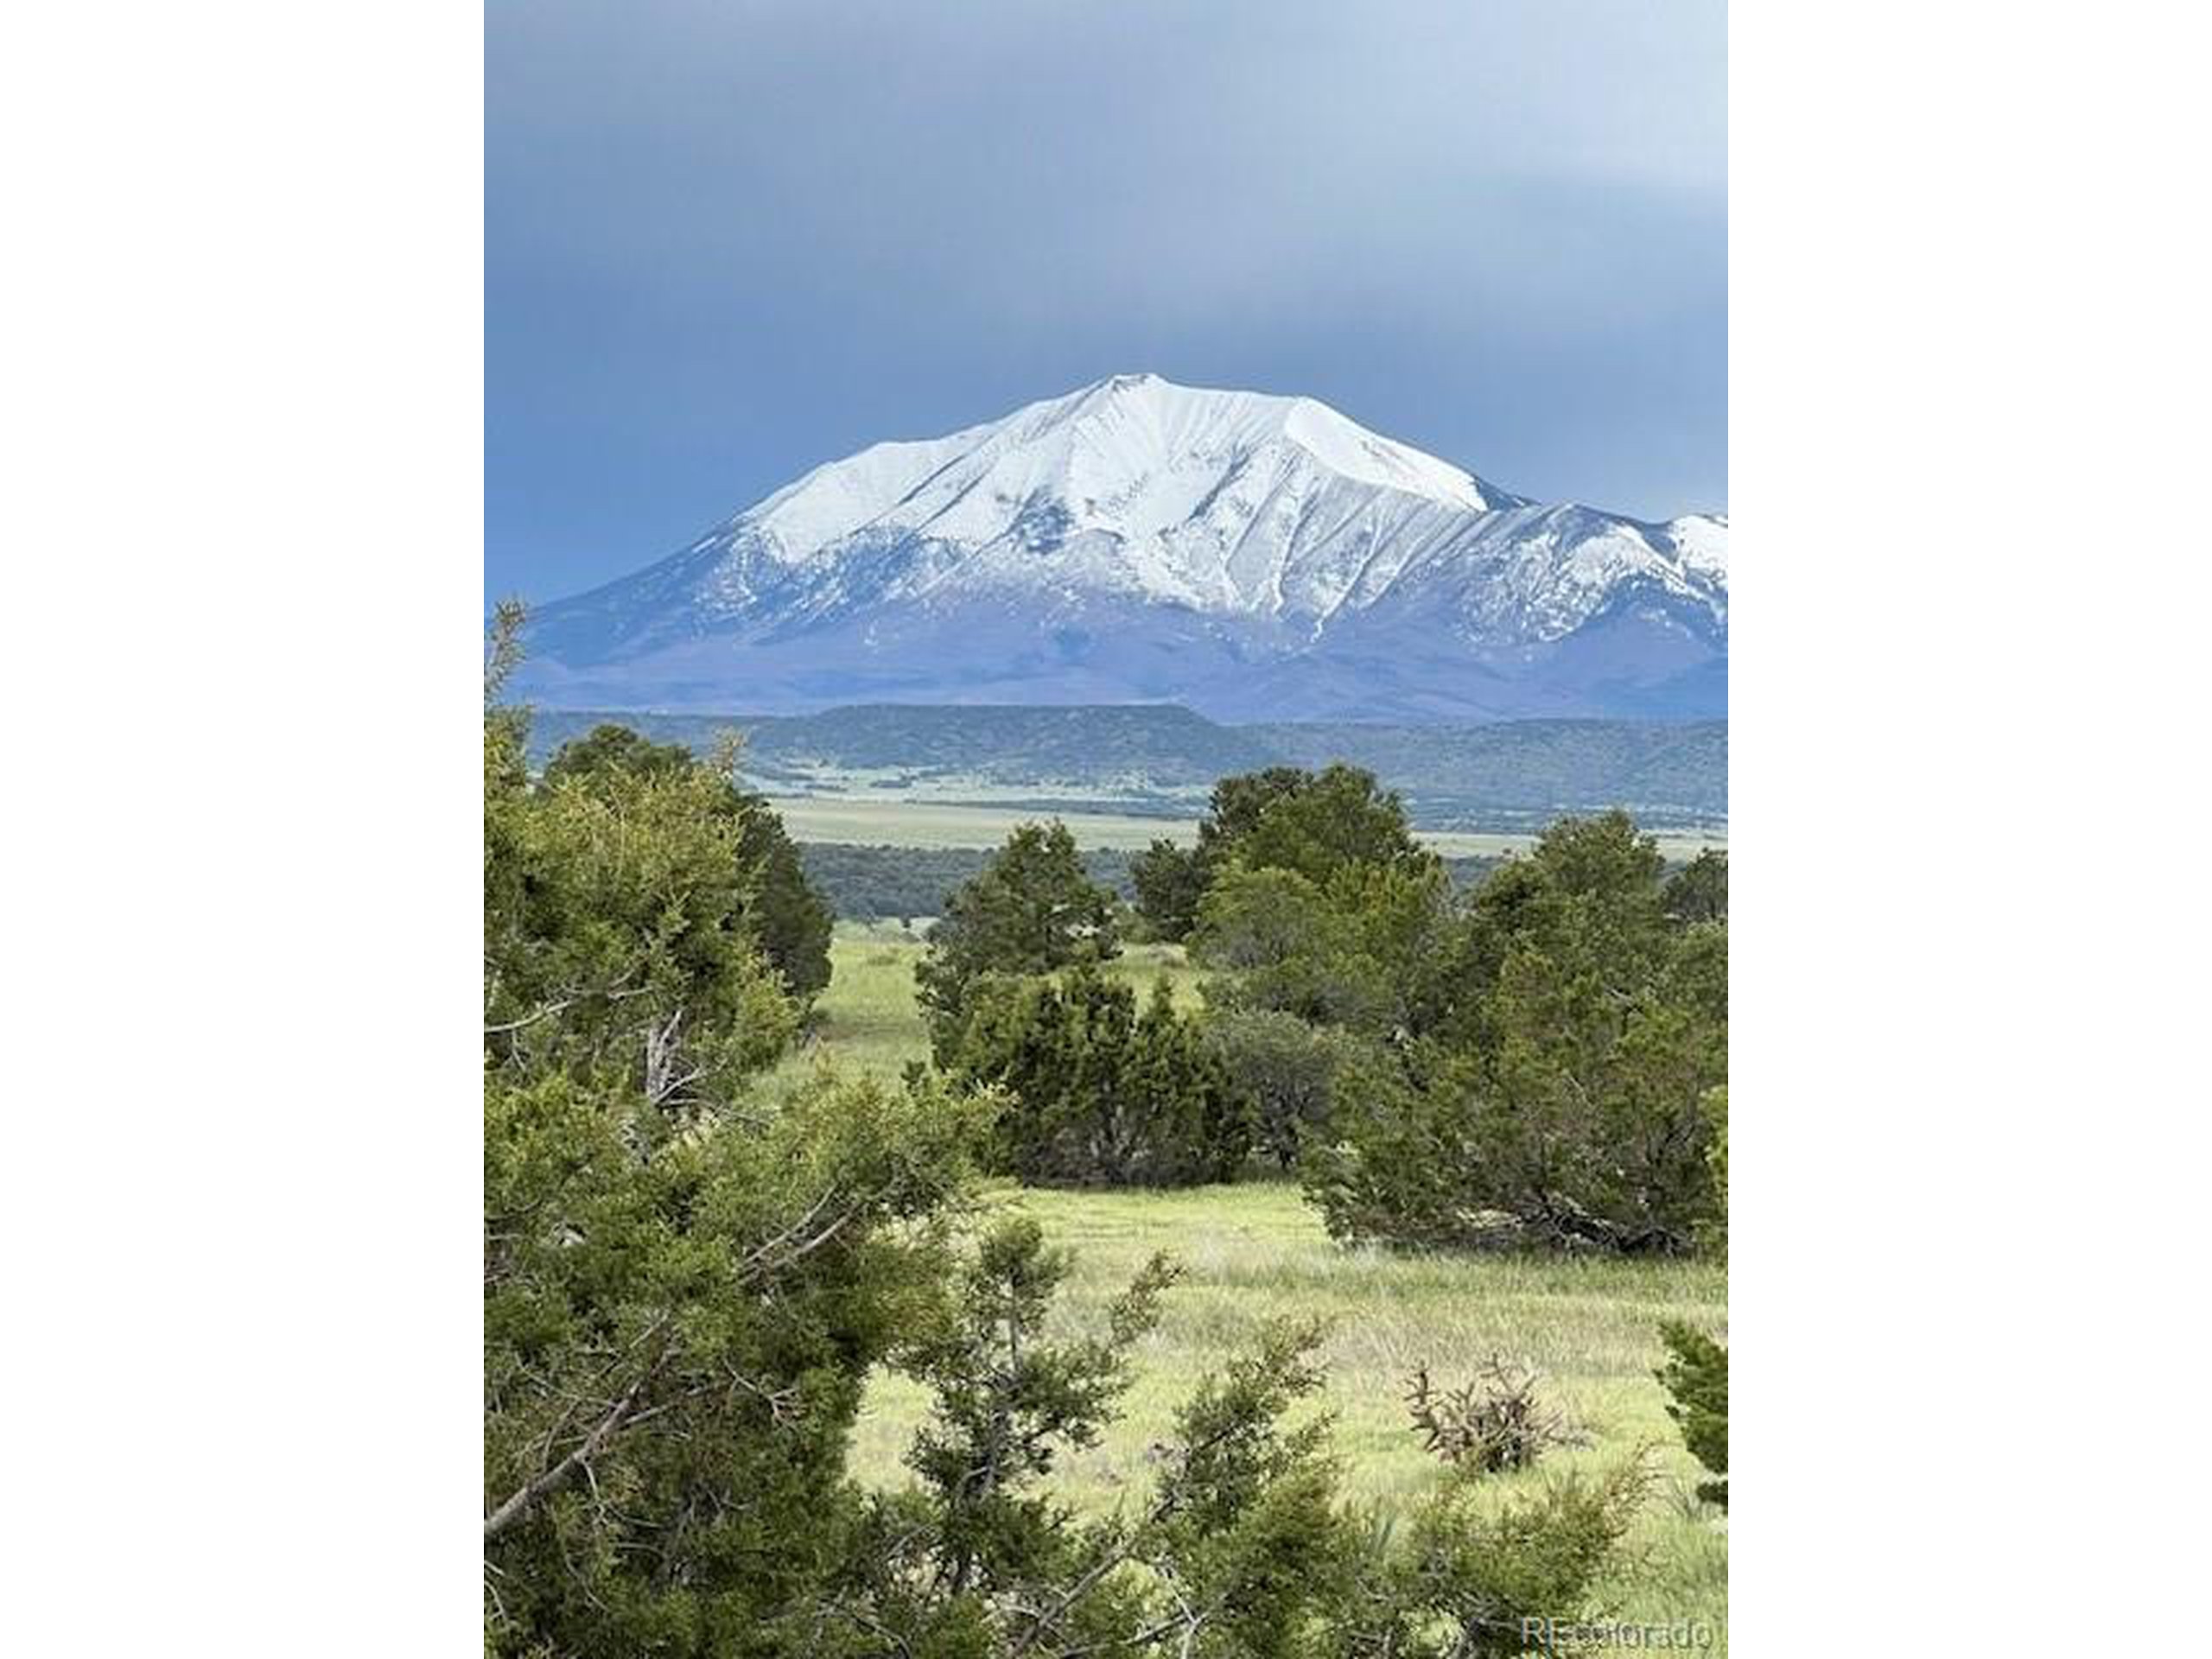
(903, 820)
(1255, 1252)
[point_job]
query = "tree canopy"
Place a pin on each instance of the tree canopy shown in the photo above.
(682, 1291)
(1032, 909)
(1098, 1090)
(784, 915)
(1557, 1089)
(1313, 825)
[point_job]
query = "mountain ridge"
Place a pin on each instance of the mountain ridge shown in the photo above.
(1246, 554)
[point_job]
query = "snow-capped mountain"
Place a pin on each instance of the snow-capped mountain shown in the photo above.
(1251, 557)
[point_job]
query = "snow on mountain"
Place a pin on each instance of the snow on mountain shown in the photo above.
(1250, 555)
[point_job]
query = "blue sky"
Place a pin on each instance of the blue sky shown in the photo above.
(726, 240)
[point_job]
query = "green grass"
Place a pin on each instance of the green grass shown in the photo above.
(890, 821)
(867, 1021)
(1254, 1252)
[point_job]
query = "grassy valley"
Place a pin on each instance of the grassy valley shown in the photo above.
(1068, 1273)
(895, 806)
(1256, 1251)
(1128, 765)
(890, 822)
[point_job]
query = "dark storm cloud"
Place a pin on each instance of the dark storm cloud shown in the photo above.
(727, 241)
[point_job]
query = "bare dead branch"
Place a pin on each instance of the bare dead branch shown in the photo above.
(526, 1497)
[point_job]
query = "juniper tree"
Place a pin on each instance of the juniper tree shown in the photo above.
(617, 939)
(783, 914)
(1570, 1032)
(1032, 909)
(1169, 881)
(1314, 824)
(1357, 951)
(678, 1328)
(683, 1290)
(1095, 1090)
(1696, 1375)
(1699, 891)
(1288, 1070)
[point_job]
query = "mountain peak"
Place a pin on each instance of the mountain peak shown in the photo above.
(1138, 382)
(1181, 421)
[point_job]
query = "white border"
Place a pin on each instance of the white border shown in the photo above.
(1968, 604)
(243, 445)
